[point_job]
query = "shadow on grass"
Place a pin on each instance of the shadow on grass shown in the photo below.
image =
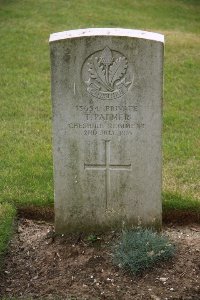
(37, 213)
(176, 209)
(180, 210)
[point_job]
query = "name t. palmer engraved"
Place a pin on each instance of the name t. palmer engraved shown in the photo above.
(107, 167)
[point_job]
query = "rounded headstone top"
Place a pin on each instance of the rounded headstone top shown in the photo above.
(106, 32)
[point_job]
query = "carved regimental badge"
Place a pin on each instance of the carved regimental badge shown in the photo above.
(105, 74)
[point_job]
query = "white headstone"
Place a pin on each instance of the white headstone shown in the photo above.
(107, 119)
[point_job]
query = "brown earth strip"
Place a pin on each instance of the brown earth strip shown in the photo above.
(171, 216)
(42, 265)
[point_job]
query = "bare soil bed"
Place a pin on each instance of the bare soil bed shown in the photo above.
(41, 265)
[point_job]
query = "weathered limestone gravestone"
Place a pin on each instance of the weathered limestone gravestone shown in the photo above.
(107, 115)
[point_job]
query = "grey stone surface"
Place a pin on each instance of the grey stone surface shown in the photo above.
(107, 119)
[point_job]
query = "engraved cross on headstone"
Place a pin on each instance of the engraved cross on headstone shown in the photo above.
(107, 167)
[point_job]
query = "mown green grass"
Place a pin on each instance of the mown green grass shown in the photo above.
(7, 213)
(25, 136)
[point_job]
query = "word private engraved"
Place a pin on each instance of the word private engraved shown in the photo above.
(106, 75)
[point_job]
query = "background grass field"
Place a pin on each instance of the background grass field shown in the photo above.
(25, 136)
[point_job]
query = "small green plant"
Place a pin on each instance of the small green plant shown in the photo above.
(140, 249)
(92, 238)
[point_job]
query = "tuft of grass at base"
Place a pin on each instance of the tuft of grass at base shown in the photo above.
(140, 249)
(7, 214)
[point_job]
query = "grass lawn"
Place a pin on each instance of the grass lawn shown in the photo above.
(7, 213)
(25, 115)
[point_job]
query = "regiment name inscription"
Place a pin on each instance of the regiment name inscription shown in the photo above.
(107, 119)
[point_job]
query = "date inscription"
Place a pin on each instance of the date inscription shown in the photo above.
(108, 120)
